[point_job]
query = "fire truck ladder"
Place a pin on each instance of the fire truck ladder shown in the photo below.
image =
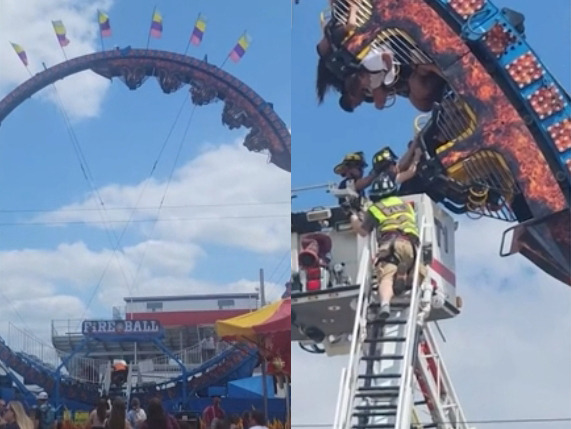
(377, 386)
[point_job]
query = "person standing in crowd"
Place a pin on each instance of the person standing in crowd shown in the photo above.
(257, 420)
(212, 412)
(2, 411)
(234, 421)
(136, 414)
(45, 416)
(16, 417)
(158, 418)
(118, 417)
(98, 416)
(246, 419)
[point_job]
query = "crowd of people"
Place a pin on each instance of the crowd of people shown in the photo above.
(214, 417)
(115, 415)
(14, 415)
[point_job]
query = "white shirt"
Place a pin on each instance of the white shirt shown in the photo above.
(375, 64)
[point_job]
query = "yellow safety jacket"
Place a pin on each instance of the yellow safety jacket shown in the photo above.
(394, 215)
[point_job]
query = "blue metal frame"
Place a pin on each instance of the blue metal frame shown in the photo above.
(184, 375)
(64, 362)
(120, 338)
(473, 29)
(28, 396)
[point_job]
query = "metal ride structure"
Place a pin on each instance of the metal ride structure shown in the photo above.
(75, 381)
(498, 141)
(497, 144)
(242, 107)
(208, 83)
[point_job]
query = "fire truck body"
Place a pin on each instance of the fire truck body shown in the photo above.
(325, 262)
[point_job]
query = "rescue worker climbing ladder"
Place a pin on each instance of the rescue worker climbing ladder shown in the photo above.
(397, 238)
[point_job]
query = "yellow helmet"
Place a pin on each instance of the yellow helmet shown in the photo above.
(353, 158)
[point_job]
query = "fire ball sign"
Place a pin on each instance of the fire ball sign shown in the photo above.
(120, 327)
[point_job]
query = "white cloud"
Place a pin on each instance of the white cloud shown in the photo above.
(29, 24)
(508, 352)
(32, 281)
(33, 313)
(39, 285)
(221, 196)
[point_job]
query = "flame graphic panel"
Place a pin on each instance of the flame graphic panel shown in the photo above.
(499, 125)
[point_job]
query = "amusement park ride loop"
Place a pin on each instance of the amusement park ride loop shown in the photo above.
(508, 158)
(243, 107)
(208, 84)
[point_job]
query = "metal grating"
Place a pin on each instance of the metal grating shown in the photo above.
(405, 49)
(488, 170)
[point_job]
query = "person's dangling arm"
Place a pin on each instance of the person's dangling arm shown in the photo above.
(365, 182)
(409, 156)
(410, 172)
(352, 16)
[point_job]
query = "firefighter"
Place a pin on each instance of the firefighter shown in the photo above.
(402, 171)
(352, 169)
(397, 239)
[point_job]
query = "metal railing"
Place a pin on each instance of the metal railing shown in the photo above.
(45, 357)
(190, 357)
(350, 375)
(405, 398)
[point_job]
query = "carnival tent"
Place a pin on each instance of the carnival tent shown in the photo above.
(274, 318)
(270, 329)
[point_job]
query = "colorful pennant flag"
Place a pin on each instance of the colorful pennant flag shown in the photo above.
(104, 25)
(157, 25)
(198, 32)
(240, 48)
(21, 53)
(60, 33)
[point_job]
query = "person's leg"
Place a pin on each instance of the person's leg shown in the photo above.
(385, 274)
(404, 252)
(425, 88)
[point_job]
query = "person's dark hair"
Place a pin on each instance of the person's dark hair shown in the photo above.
(135, 402)
(156, 416)
(235, 419)
(258, 417)
(246, 419)
(118, 414)
(101, 409)
(325, 80)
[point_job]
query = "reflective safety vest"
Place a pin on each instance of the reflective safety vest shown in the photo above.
(393, 214)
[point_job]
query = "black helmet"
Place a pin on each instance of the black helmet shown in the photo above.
(384, 186)
(351, 159)
(385, 155)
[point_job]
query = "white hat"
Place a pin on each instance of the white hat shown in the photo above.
(43, 396)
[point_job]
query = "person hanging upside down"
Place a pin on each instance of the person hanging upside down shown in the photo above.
(376, 77)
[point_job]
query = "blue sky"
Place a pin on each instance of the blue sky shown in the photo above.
(120, 133)
(513, 338)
